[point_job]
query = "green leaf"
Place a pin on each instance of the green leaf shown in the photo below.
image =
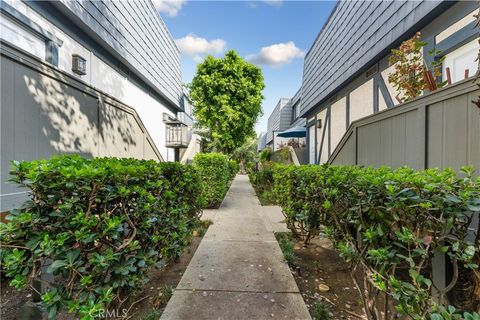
(474, 208)
(52, 312)
(57, 264)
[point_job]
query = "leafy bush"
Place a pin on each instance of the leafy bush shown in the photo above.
(97, 226)
(286, 245)
(320, 311)
(233, 167)
(297, 190)
(262, 182)
(387, 223)
(215, 173)
(266, 155)
(412, 76)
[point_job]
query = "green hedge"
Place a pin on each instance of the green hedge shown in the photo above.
(387, 223)
(233, 167)
(262, 181)
(99, 224)
(215, 173)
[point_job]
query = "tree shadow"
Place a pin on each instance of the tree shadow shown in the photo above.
(42, 116)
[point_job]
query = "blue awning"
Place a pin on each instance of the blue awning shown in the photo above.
(295, 132)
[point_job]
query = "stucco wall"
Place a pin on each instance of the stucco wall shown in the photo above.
(361, 101)
(338, 121)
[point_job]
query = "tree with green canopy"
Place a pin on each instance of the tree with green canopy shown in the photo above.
(227, 97)
(246, 154)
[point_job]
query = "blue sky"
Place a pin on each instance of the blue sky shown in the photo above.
(272, 34)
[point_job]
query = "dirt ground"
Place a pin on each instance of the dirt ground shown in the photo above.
(149, 302)
(318, 265)
(169, 276)
(12, 300)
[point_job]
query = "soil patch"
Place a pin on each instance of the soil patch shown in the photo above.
(158, 290)
(12, 300)
(323, 278)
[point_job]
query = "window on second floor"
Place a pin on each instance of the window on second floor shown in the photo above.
(19, 36)
(461, 62)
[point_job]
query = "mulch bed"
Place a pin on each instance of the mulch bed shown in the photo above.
(323, 277)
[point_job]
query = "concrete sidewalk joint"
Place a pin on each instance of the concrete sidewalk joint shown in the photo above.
(238, 270)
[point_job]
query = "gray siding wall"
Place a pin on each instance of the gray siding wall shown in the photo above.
(45, 111)
(380, 94)
(262, 141)
(356, 32)
(279, 119)
(438, 130)
(295, 102)
(134, 32)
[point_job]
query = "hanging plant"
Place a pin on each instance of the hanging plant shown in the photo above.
(412, 75)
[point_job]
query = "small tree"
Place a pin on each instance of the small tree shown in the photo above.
(412, 75)
(246, 154)
(227, 95)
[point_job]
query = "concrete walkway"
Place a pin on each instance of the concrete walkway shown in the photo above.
(237, 271)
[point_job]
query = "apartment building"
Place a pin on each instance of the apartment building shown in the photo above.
(346, 69)
(96, 78)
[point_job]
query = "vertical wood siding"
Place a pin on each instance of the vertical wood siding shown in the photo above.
(46, 112)
(438, 130)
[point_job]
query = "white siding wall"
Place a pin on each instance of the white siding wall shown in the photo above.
(105, 78)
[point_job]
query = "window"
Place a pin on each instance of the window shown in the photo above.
(460, 60)
(22, 32)
(20, 37)
(295, 111)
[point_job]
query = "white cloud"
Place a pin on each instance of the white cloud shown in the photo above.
(195, 46)
(198, 59)
(169, 7)
(276, 55)
(274, 3)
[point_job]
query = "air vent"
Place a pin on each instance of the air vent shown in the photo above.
(370, 72)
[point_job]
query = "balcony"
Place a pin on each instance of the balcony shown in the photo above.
(178, 134)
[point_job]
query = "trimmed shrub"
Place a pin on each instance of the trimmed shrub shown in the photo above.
(262, 181)
(387, 223)
(234, 167)
(296, 189)
(215, 173)
(98, 226)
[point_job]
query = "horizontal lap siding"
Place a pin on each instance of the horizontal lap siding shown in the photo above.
(277, 121)
(356, 32)
(136, 32)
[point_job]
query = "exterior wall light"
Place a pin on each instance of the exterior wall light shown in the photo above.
(79, 65)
